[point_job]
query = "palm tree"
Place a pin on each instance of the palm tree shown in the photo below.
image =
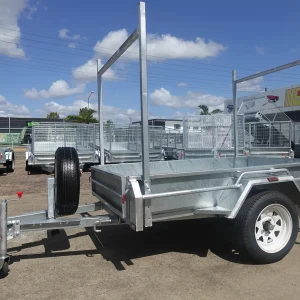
(53, 115)
(216, 111)
(85, 116)
(204, 110)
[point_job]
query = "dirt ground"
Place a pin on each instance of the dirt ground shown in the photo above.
(178, 260)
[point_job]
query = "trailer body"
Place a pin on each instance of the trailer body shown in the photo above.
(260, 193)
(7, 158)
(190, 188)
(47, 137)
(122, 143)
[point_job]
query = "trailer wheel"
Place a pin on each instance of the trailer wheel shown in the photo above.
(4, 271)
(67, 181)
(28, 168)
(10, 166)
(267, 227)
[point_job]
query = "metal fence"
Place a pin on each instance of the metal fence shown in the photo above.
(47, 137)
(210, 132)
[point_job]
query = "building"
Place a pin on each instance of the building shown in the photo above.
(167, 124)
(15, 131)
(283, 100)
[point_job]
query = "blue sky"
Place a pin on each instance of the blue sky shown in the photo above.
(48, 52)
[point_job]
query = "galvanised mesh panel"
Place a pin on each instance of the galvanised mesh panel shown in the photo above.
(172, 138)
(212, 132)
(124, 137)
(270, 134)
(47, 137)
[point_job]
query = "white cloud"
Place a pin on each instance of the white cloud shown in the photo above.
(181, 84)
(110, 113)
(260, 50)
(88, 72)
(163, 97)
(159, 47)
(58, 89)
(253, 85)
(10, 37)
(63, 34)
(72, 45)
(8, 109)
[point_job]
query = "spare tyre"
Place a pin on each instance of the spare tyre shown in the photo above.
(67, 181)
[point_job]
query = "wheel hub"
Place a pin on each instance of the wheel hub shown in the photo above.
(268, 226)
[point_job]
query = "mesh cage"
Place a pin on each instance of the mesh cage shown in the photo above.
(212, 132)
(47, 137)
(270, 134)
(172, 139)
(124, 137)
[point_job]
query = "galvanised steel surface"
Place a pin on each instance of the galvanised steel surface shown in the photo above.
(269, 138)
(235, 82)
(139, 34)
(47, 137)
(179, 188)
(3, 232)
(211, 136)
(123, 142)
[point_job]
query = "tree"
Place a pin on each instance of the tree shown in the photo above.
(204, 110)
(216, 111)
(85, 116)
(53, 115)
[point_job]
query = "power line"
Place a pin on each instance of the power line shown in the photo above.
(163, 79)
(159, 67)
(159, 57)
(151, 81)
(136, 53)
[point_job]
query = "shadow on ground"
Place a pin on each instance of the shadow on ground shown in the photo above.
(120, 244)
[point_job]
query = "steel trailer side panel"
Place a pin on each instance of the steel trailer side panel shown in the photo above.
(216, 177)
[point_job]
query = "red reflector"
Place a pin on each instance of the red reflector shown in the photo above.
(123, 198)
(20, 194)
(270, 179)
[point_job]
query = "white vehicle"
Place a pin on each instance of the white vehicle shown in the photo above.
(7, 159)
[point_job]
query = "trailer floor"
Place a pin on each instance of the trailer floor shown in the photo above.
(191, 260)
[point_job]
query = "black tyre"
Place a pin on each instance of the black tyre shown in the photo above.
(4, 271)
(67, 180)
(11, 165)
(266, 227)
(28, 168)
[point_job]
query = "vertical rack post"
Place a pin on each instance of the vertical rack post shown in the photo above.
(235, 120)
(144, 96)
(3, 232)
(100, 112)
